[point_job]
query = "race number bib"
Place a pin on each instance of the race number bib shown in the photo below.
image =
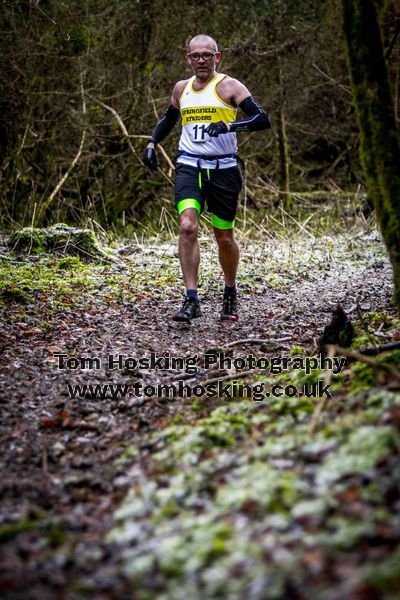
(198, 134)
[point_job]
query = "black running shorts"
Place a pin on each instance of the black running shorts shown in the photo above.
(220, 188)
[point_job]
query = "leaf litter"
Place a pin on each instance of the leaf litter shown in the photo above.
(199, 498)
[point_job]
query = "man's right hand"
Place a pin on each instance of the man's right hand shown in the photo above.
(150, 158)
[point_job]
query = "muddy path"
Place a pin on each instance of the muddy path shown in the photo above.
(62, 477)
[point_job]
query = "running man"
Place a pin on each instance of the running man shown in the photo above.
(206, 168)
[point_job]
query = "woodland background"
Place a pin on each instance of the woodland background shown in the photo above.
(62, 62)
(109, 496)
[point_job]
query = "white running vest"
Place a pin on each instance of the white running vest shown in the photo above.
(198, 110)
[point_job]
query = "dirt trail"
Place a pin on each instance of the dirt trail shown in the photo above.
(59, 483)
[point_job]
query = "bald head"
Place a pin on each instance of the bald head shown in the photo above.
(203, 39)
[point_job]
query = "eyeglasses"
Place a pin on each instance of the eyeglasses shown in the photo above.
(196, 56)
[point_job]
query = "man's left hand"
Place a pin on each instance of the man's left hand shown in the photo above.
(214, 129)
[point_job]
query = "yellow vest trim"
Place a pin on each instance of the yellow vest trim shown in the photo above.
(219, 97)
(205, 87)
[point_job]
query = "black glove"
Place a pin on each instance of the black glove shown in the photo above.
(150, 158)
(214, 129)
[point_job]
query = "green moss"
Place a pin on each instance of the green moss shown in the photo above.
(259, 483)
(375, 319)
(29, 279)
(221, 430)
(177, 419)
(364, 448)
(390, 358)
(59, 237)
(277, 282)
(363, 377)
(297, 351)
(312, 508)
(28, 240)
(10, 291)
(384, 576)
(33, 520)
(9, 532)
(229, 486)
(70, 262)
(292, 406)
(364, 341)
(346, 533)
(56, 536)
(383, 400)
(197, 405)
(299, 378)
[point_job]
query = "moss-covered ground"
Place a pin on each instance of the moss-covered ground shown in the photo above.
(245, 503)
(197, 498)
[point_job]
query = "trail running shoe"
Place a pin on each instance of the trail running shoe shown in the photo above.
(189, 310)
(229, 308)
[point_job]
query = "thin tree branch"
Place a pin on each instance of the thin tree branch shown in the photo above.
(77, 157)
(153, 105)
(331, 79)
(392, 42)
(128, 136)
(120, 123)
(159, 147)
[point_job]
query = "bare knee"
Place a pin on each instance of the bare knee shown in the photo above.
(225, 239)
(188, 227)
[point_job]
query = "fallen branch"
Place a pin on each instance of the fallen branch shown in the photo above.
(231, 376)
(256, 341)
(352, 355)
(380, 349)
(356, 355)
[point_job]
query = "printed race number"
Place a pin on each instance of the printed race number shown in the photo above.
(198, 133)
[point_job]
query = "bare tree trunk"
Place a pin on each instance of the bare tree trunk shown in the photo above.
(380, 151)
(284, 184)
